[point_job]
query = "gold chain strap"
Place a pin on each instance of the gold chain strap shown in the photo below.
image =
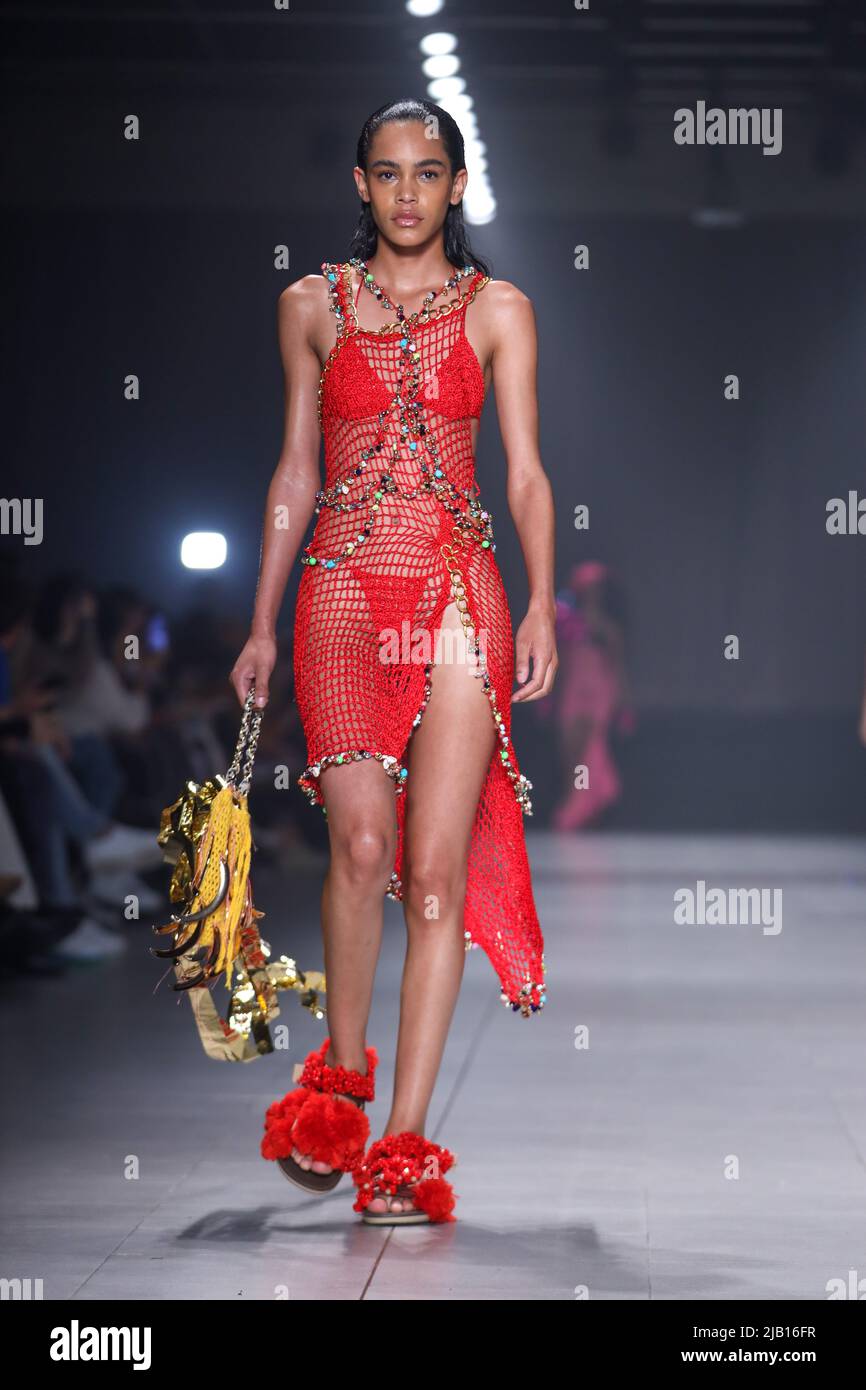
(248, 737)
(457, 584)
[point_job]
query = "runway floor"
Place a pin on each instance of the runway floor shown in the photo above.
(708, 1143)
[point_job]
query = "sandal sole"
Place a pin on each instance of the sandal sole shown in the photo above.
(306, 1179)
(396, 1218)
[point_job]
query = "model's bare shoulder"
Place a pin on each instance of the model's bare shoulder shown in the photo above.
(302, 312)
(503, 296)
(507, 311)
(304, 296)
(502, 290)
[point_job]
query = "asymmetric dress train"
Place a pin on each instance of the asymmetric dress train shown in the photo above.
(401, 533)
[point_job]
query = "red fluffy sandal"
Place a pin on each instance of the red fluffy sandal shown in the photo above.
(409, 1165)
(318, 1120)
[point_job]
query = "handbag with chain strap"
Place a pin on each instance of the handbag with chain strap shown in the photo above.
(206, 834)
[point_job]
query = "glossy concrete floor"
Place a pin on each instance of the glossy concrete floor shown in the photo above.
(685, 1119)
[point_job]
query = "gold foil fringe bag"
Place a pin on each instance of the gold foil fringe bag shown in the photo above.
(206, 834)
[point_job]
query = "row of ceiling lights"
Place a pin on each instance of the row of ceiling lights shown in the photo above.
(441, 66)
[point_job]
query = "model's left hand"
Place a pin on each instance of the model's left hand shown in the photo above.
(535, 639)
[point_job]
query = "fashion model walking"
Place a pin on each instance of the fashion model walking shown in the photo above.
(404, 656)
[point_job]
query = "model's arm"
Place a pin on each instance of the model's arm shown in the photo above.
(291, 496)
(530, 497)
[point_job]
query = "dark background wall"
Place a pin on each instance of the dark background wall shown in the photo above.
(157, 257)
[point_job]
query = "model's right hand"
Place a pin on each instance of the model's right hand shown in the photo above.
(255, 663)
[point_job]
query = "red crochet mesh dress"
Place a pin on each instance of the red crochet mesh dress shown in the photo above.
(396, 406)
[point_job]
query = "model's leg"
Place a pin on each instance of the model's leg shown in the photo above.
(574, 739)
(448, 757)
(575, 733)
(362, 826)
(604, 782)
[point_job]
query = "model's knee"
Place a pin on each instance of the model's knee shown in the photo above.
(433, 893)
(364, 855)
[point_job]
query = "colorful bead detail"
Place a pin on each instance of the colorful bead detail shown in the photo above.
(394, 768)
(522, 785)
(532, 996)
(420, 315)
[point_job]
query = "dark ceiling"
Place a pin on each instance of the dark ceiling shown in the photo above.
(565, 97)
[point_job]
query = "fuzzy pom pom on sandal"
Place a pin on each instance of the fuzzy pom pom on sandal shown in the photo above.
(324, 1117)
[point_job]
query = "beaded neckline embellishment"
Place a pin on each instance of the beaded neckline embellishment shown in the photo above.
(404, 320)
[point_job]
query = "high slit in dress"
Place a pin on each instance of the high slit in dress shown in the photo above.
(401, 533)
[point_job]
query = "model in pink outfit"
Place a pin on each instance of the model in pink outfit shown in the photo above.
(590, 694)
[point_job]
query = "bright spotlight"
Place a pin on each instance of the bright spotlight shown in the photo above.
(438, 43)
(203, 550)
(423, 8)
(445, 87)
(458, 104)
(479, 207)
(441, 65)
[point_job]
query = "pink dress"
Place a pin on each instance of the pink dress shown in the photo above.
(588, 687)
